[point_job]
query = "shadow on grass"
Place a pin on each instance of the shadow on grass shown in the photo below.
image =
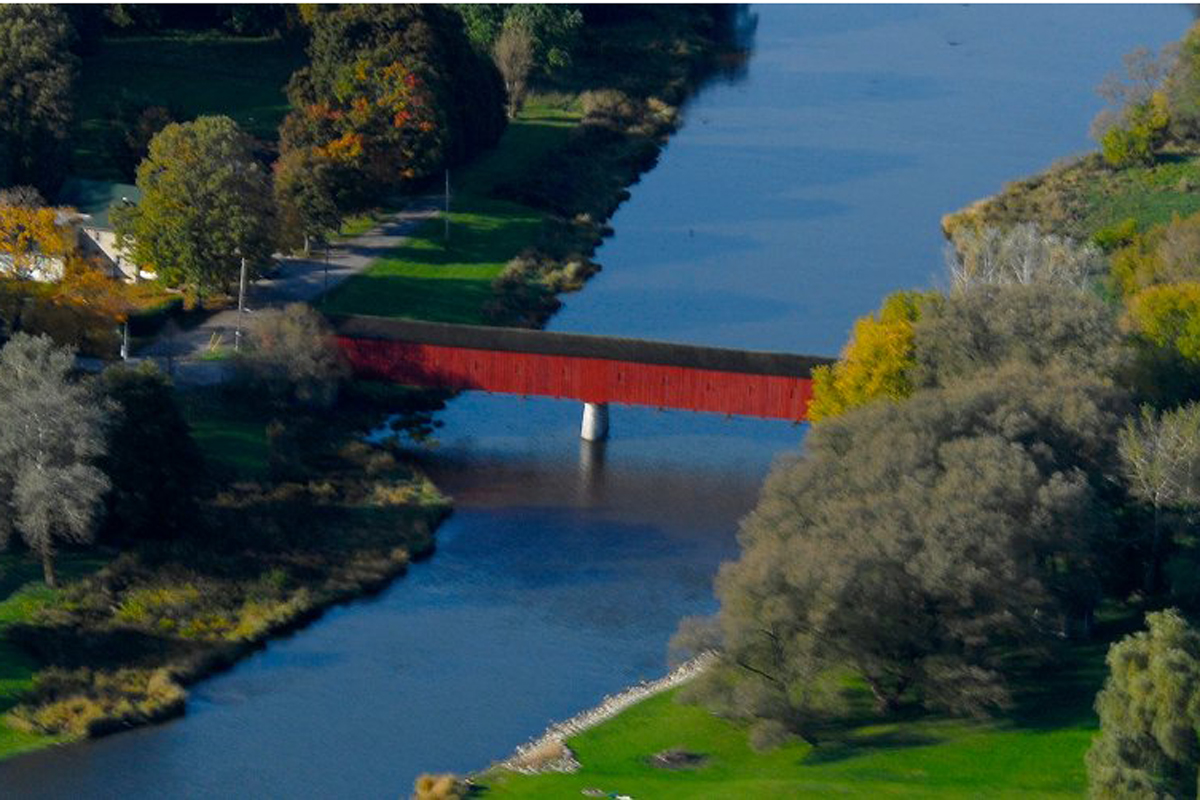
(855, 745)
(1062, 693)
(20, 568)
(70, 647)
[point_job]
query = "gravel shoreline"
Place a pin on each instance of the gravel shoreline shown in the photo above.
(549, 752)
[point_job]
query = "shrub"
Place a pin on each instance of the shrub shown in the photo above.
(79, 703)
(1142, 133)
(159, 607)
(292, 354)
(1116, 235)
(609, 108)
(439, 787)
(767, 734)
(1167, 253)
(1021, 254)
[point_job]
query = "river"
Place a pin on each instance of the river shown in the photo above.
(788, 204)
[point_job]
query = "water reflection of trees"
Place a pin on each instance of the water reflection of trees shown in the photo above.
(736, 29)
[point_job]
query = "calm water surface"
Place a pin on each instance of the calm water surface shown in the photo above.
(789, 204)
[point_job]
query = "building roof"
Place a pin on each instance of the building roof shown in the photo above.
(95, 198)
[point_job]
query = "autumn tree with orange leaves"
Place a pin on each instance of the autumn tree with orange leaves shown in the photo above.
(391, 95)
(82, 306)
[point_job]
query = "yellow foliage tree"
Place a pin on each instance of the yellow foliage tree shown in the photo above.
(876, 363)
(28, 234)
(1167, 253)
(1169, 316)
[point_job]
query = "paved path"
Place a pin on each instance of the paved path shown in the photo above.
(298, 280)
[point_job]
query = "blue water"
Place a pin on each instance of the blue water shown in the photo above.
(789, 203)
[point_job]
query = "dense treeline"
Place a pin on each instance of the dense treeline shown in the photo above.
(37, 73)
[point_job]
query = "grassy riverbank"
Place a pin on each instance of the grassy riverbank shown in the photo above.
(1082, 197)
(930, 758)
(292, 523)
(1035, 751)
(526, 217)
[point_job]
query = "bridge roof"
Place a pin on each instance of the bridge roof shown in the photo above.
(522, 340)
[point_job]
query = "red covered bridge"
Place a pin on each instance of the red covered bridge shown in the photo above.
(594, 369)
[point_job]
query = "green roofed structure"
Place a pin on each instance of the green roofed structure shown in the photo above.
(94, 200)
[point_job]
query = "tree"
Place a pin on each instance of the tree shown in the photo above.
(916, 542)
(51, 434)
(1149, 714)
(552, 28)
(29, 236)
(391, 94)
(1182, 86)
(37, 74)
(305, 194)
(1135, 122)
(151, 460)
(1136, 141)
(293, 354)
(482, 23)
(1019, 255)
(22, 197)
(513, 53)
(926, 339)
(876, 363)
(206, 204)
(1037, 325)
(1160, 459)
(1168, 316)
(132, 125)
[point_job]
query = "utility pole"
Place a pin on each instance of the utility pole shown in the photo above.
(237, 334)
(325, 290)
(446, 212)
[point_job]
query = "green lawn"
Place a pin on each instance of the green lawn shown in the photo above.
(1151, 195)
(430, 278)
(932, 758)
(192, 74)
(1035, 750)
(1080, 198)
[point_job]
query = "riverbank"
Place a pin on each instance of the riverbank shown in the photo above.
(667, 746)
(294, 522)
(305, 519)
(550, 752)
(1085, 199)
(526, 218)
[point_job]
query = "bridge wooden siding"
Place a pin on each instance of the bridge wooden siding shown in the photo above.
(592, 369)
